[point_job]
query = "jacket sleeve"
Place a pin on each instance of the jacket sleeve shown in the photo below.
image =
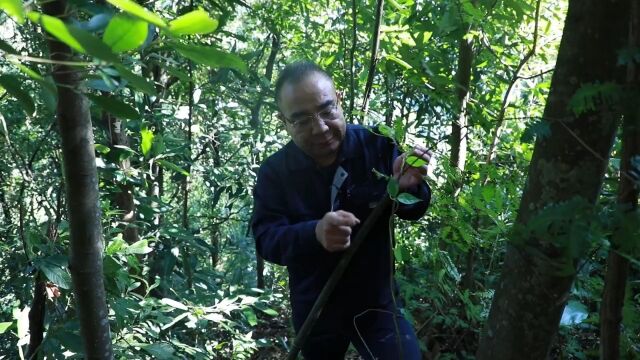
(278, 238)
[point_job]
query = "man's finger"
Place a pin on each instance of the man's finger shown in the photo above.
(339, 231)
(347, 218)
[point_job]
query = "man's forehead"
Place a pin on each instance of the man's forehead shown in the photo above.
(309, 93)
(314, 85)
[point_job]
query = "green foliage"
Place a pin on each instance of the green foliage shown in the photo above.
(125, 33)
(186, 289)
(194, 22)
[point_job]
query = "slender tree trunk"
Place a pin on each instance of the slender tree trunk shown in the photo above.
(256, 125)
(352, 52)
(85, 260)
(186, 257)
(124, 199)
(568, 165)
(373, 62)
(617, 265)
(256, 122)
(458, 139)
(36, 316)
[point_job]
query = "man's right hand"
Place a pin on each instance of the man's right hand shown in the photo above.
(333, 231)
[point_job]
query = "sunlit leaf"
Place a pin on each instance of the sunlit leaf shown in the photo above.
(210, 56)
(4, 326)
(14, 9)
(125, 33)
(194, 22)
(399, 61)
(138, 11)
(146, 140)
(76, 38)
(138, 248)
(114, 106)
(415, 161)
(12, 85)
(174, 304)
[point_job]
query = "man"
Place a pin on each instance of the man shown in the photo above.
(311, 197)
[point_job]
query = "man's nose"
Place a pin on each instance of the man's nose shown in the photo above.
(318, 126)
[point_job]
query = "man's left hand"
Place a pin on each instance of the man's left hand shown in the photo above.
(412, 176)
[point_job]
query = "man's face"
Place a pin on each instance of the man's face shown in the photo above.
(318, 126)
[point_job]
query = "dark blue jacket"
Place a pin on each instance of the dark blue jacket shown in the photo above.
(292, 193)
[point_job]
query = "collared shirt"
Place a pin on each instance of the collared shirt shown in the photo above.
(292, 194)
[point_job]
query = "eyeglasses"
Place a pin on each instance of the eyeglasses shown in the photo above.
(304, 121)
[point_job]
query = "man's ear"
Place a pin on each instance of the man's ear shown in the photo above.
(339, 95)
(281, 117)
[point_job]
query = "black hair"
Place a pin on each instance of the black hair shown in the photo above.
(296, 72)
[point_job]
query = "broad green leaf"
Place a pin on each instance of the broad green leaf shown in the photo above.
(194, 22)
(393, 187)
(102, 149)
(125, 33)
(399, 61)
(251, 316)
(408, 199)
(4, 46)
(146, 140)
(161, 351)
(415, 161)
(137, 81)
(14, 9)
(78, 39)
(171, 166)
(174, 304)
(57, 28)
(177, 73)
(54, 268)
(398, 130)
(138, 248)
(93, 45)
(138, 11)
(26, 70)
(386, 130)
(4, 326)
(116, 245)
(210, 56)
(114, 106)
(12, 84)
(270, 312)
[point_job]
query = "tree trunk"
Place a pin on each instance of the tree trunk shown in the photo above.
(567, 165)
(124, 199)
(458, 139)
(373, 62)
(617, 265)
(36, 316)
(352, 51)
(85, 260)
